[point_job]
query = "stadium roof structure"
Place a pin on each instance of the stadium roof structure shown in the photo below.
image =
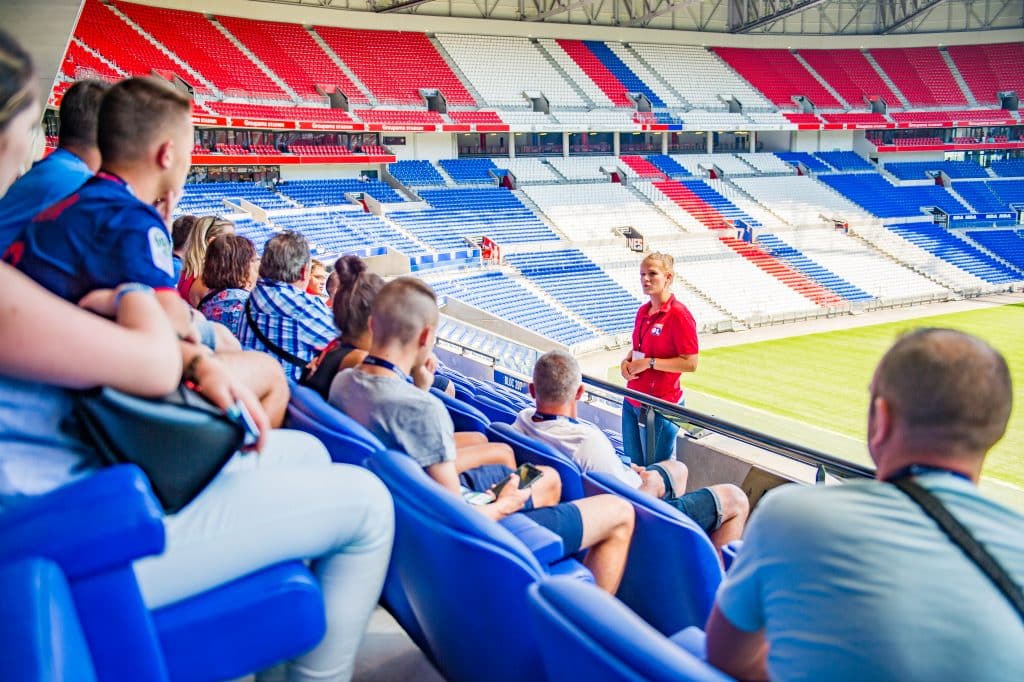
(789, 17)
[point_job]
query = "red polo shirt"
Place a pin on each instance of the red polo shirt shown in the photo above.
(668, 333)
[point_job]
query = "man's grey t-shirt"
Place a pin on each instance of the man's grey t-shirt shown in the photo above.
(402, 416)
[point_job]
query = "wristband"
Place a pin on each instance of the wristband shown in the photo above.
(129, 288)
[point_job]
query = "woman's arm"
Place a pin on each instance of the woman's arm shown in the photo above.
(45, 339)
(682, 363)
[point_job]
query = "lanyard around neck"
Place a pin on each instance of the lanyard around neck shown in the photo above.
(545, 417)
(385, 364)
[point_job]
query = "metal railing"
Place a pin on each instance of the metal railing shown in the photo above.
(823, 462)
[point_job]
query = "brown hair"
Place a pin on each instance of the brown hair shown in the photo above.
(79, 111)
(134, 113)
(181, 229)
(228, 262)
(354, 296)
(951, 391)
(203, 232)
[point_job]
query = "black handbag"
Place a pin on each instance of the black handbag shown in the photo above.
(181, 442)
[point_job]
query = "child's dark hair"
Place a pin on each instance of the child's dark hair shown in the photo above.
(356, 291)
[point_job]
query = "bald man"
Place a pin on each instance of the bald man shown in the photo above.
(379, 395)
(855, 582)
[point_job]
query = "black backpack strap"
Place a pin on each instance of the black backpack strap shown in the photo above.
(962, 537)
(209, 295)
(288, 357)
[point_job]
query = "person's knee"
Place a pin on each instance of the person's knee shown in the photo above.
(679, 474)
(379, 511)
(617, 513)
(735, 504)
(547, 491)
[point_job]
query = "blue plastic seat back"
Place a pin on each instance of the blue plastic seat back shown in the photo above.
(347, 440)
(529, 450)
(464, 416)
(673, 571)
(41, 639)
(496, 410)
(465, 578)
(586, 634)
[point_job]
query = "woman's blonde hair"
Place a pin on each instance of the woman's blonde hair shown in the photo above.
(205, 231)
(667, 262)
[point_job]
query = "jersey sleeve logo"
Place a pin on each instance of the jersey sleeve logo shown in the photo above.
(160, 250)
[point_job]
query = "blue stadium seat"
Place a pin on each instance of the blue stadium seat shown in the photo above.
(527, 449)
(622, 72)
(669, 166)
(585, 634)
(673, 571)
(718, 202)
(1009, 168)
(796, 259)
(466, 577)
(981, 197)
(957, 251)
(348, 231)
(207, 198)
(41, 639)
(347, 440)
(331, 192)
(469, 171)
(464, 416)
(918, 170)
(810, 161)
(95, 528)
(416, 173)
(845, 161)
(886, 200)
(1007, 244)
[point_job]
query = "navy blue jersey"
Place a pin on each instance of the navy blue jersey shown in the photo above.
(99, 237)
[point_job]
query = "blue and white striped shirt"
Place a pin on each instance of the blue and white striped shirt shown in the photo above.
(298, 322)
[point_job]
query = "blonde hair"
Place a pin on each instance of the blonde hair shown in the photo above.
(205, 231)
(668, 263)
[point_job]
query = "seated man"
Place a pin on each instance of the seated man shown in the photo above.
(377, 394)
(856, 581)
(281, 317)
(721, 510)
(74, 161)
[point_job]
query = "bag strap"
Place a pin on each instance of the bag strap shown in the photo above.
(962, 537)
(209, 295)
(290, 358)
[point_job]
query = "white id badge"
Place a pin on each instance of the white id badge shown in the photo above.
(638, 355)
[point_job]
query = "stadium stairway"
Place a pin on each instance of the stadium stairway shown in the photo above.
(781, 271)
(687, 200)
(643, 167)
(823, 276)
(623, 73)
(603, 78)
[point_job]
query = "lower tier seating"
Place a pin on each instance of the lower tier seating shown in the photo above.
(332, 192)
(334, 232)
(957, 251)
(885, 200)
(1007, 244)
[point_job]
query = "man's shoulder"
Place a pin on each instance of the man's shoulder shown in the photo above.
(819, 507)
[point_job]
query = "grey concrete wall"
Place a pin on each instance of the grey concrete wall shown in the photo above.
(44, 29)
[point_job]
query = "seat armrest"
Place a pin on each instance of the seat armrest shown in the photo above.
(729, 553)
(108, 519)
(546, 546)
(693, 640)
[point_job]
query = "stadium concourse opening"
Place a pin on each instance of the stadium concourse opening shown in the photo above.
(710, 229)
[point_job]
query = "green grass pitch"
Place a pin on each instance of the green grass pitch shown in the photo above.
(813, 389)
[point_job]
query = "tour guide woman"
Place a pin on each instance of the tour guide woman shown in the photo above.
(664, 346)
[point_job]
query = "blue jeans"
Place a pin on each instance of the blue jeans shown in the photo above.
(635, 444)
(288, 502)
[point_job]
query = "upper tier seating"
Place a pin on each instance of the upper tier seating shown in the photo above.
(669, 166)
(256, 232)
(768, 118)
(958, 252)
(502, 68)
(980, 196)
(396, 65)
(206, 198)
(851, 75)
(469, 171)
(921, 74)
(527, 170)
(885, 200)
(912, 141)
(815, 271)
(713, 119)
(766, 162)
(286, 113)
(398, 117)
(231, 149)
(639, 167)
(705, 203)
(802, 201)
(79, 63)
(623, 266)
(101, 29)
(485, 117)
(917, 170)
(734, 282)
(700, 76)
(527, 118)
(861, 266)
(1007, 244)
(979, 116)
(664, 195)
(265, 149)
(416, 173)
(1009, 168)
(196, 40)
(845, 161)
(332, 192)
(803, 118)
(612, 118)
(761, 215)
(459, 213)
(588, 212)
(810, 161)
(990, 69)
(634, 74)
(1010, 191)
(292, 53)
(779, 75)
(335, 232)
(580, 285)
(589, 73)
(319, 150)
(507, 298)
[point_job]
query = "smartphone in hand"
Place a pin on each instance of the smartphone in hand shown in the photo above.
(528, 475)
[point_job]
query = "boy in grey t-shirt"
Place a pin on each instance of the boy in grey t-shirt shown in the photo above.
(377, 395)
